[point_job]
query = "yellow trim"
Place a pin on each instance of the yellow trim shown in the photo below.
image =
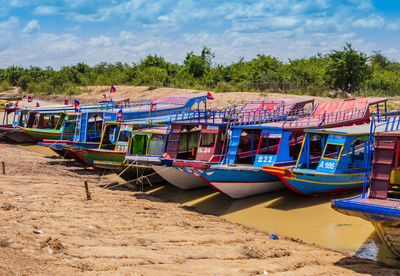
(122, 123)
(326, 183)
(148, 142)
(106, 162)
(340, 153)
(119, 134)
(317, 173)
(272, 170)
(301, 150)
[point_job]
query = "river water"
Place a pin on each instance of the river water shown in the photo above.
(286, 213)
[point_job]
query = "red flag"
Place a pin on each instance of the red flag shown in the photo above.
(209, 96)
(37, 105)
(105, 96)
(112, 89)
(153, 106)
(66, 102)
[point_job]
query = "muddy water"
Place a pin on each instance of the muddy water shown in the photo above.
(310, 219)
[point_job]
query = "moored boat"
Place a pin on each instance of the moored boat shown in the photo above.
(240, 177)
(381, 203)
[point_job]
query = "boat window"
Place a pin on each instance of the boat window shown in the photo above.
(207, 139)
(156, 144)
(268, 145)
(295, 145)
(123, 136)
(109, 137)
(139, 144)
(188, 143)
(332, 151)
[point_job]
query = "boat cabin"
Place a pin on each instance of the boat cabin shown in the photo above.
(261, 145)
(147, 142)
(199, 141)
(339, 150)
(18, 117)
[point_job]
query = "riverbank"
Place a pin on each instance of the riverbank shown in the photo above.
(52, 229)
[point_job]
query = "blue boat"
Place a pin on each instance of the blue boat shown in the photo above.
(277, 144)
(380, 204)
(330, 161)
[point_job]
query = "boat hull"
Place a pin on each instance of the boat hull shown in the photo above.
(63, 147)
(179, 178)
(240, 182)
(51, 134)
(16, 135)
(104, 159)
(317, 183)
(385, 219)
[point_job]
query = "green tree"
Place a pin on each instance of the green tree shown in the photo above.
(347, 69)
(199, 65)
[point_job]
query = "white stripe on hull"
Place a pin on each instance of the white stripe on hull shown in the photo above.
(244, 189)
(180, 179)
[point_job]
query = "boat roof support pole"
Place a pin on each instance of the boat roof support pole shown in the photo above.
(396, 161)
(259, 142)
(252, 144)
(385, 110)
(377, 111)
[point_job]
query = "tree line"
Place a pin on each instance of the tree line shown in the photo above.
(342, 71)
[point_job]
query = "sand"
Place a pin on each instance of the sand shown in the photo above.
(50, 228)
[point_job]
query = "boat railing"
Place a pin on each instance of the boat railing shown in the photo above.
(389, 121)
(325, 118)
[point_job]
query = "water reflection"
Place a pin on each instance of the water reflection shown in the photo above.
(375, 249)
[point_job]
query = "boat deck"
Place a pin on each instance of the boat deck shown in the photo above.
(390, 203)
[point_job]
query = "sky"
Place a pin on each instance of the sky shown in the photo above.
(57, 33)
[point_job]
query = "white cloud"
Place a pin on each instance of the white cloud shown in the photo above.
(131, 29)
(32, 27)
(100, 41)
(6, 27)
(391, 51)
(45, 10)
(373, 21)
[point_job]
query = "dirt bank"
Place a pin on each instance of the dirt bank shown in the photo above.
(50, 228)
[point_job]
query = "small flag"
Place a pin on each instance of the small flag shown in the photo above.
(209, 96)
(119, 116)
(105, 96)
(166, 156)
(66, 102)
(37, 105)
(77, 106)
(153, 106)
(112, 89)
(30, 99)
(16, 103)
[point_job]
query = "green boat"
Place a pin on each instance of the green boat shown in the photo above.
(63, 128)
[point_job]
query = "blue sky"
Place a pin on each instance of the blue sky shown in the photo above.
(56, 33)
